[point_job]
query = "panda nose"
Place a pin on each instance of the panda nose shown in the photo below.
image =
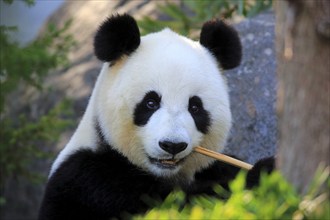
(173, 148)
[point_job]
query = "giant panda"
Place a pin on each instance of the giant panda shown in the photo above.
(155, 99)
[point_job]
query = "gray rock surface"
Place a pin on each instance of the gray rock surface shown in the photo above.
(252, 91)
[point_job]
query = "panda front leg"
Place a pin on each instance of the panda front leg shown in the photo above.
(266, 165)
(222, 174)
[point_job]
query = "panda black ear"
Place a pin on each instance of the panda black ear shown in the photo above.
(118, 35)
(223, 42)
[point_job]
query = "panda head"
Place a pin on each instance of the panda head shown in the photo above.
(162, 94)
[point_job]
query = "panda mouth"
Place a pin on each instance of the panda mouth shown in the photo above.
(166, 163)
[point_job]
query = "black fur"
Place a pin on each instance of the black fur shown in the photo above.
(118, 35)
(98, 185)
(199, 114)
(266, 165)
(223, 42)
(104, 184)
(143, 111)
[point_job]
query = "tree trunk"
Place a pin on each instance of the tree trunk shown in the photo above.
(303, 53)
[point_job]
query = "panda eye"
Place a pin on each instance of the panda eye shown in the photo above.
(195, 105)
(194, 109)
(152, 104)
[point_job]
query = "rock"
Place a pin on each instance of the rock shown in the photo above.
(253, 92)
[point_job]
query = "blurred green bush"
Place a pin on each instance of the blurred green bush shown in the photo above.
(274, 199)
(22, 139)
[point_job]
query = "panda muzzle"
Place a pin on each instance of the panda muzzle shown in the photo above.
(166, 163)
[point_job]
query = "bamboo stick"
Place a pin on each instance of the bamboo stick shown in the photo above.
(223, 158)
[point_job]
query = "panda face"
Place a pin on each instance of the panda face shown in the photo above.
(160, 102)
(179, 124)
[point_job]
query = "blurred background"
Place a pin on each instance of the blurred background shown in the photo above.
(48, 70)
(27, 16)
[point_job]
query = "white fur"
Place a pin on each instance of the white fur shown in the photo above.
(175, 67)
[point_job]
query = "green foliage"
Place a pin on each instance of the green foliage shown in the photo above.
(21, 140)
(275, 198)
(31, 63)
(188, 16)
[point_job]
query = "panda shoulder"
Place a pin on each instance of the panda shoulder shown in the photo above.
(85, 164)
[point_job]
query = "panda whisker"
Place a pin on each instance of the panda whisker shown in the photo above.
(223, 158)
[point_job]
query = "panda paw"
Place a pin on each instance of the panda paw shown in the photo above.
(266, 165)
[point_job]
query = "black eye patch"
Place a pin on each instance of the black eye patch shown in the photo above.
(144, 109)
(199, 114)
